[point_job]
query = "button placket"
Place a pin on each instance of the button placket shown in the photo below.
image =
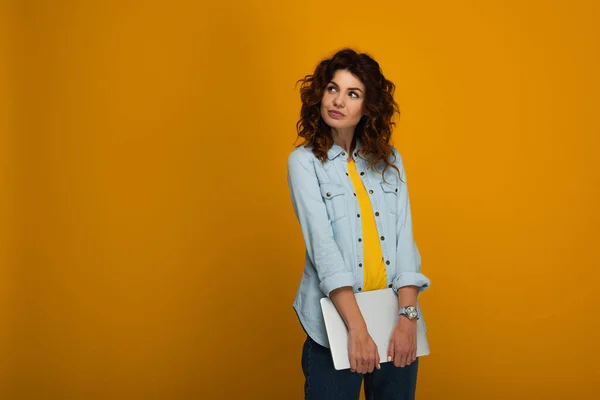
(379, 223)
(364, 179)
(360, 252)
(342, 166)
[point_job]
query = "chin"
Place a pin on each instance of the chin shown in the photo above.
(335, 123)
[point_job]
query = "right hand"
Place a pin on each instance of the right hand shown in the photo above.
(363, 353)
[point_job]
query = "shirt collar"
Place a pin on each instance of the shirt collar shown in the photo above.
(336, 150)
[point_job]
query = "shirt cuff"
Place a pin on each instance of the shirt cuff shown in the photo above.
(411, 279)
(337, 281)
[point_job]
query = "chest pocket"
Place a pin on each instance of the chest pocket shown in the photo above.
(334, 197)
(390, 192)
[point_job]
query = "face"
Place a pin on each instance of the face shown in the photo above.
(342, 103)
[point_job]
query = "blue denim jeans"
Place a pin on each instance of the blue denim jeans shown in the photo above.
(324, 382)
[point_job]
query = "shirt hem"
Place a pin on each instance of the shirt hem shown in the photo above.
(309, 331)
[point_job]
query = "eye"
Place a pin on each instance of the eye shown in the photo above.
(330, 89)
(354, 95)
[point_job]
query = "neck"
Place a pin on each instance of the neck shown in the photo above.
(343, 138)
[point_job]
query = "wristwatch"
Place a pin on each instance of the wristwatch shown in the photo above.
(410, 312)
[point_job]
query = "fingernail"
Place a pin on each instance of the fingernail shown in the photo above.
(378, 366)
(389, 358)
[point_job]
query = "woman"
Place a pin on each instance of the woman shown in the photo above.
(349, 193)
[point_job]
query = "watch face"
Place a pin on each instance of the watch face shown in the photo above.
(411, 312)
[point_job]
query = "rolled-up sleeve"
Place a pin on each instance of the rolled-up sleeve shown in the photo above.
(408, 258)
(311, 213)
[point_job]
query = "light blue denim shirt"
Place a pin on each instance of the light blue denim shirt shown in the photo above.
(327, 209)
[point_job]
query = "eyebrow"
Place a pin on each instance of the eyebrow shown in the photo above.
(352, 88)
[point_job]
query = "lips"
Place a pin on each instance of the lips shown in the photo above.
(335, 114)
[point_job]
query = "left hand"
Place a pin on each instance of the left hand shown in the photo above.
(403, 343)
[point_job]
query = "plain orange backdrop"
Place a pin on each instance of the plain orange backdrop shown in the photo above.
(149, 248)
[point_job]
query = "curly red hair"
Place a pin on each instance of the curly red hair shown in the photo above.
(375, 127)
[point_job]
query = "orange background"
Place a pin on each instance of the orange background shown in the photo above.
(149, 249)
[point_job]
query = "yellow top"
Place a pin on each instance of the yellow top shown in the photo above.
(374, 268)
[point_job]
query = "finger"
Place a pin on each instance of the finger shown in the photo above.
(390, 352)
(409, 357)
(372, 363)
(364, 366)
(412, 355)
(401, 354)
(397, 356)
(377, 360)
(353, 363)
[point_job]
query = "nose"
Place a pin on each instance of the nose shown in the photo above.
(338, 100)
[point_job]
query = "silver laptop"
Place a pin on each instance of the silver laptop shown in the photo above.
(380, 311)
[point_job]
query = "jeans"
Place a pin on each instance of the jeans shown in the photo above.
(324, 382)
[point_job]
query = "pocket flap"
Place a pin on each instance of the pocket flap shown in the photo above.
(331, 190)
(389, 187)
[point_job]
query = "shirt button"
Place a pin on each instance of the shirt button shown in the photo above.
(328, 194)
(355, 154)
(362, 173)
(377, 213)
(343, 153)
(370, 191)
(383, 238)
(360, 289)
(347, 174)
(354, 194)
(388, 262)
(359, 239)
(396, 190)
(360, 265)
(390, 285)
(357, 215)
